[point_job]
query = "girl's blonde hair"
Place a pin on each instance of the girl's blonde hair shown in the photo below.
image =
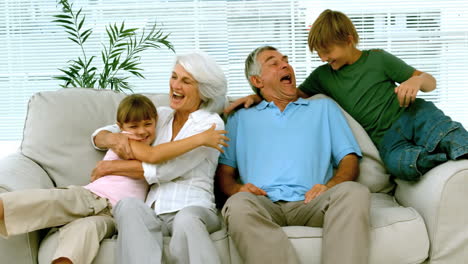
(134, 108)
(331, 27)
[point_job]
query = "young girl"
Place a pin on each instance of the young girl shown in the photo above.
(85, 211)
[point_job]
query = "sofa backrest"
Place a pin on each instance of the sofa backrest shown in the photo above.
(372, 172)
(59, 124)
(58, 128)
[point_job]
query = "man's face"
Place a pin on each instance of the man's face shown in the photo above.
(277, 79)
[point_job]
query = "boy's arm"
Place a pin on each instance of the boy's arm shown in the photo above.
(348, 170)
(419, 81)
(246, 102)
(302, 94)
(167, 151)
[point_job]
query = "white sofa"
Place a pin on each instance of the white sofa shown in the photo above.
(411, 222)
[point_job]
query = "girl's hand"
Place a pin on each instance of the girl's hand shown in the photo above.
(214, 138)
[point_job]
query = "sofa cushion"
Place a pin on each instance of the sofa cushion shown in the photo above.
(398, 235)
(106, 254)
(58, 127)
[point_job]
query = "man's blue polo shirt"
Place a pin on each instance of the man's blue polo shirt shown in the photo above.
(286, 153)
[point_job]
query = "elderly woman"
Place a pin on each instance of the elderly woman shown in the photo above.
(180, 202)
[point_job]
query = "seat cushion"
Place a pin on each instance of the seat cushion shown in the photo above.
(398, 235)
(106, 254)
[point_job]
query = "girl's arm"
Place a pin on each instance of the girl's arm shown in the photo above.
(167, 151)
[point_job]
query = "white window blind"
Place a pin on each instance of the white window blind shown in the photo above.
(432, 36)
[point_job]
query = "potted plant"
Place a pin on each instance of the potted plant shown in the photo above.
(120, 57)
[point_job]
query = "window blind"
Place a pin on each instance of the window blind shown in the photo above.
(431, 36)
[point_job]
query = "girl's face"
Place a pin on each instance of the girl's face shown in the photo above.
(184, 95)
(144, 129)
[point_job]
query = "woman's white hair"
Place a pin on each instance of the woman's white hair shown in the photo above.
(212, 84)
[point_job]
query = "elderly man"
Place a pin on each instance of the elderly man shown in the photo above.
(284, 149)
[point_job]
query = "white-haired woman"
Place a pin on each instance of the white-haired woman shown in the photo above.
(180, 202)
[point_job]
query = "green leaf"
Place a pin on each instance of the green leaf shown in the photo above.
(63, 21)
(68, 27)
(72, 33)
(121, 44)
(137, 74)
(86, 35)
(111, 40)
(90, 60)
(81, 23)
(62, 78)
(130, 30)
(63, 16)
(74, 40)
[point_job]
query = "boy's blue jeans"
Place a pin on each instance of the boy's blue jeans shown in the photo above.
(422, 138)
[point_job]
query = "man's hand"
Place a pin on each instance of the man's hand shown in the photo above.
(249, 187)
(99, 171)
(214, 138)
(407, 91)
(315, 191)
(121, 146)
(244, 101)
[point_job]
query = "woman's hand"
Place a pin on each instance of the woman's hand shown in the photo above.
(245, 101)
(100, 170)
(214, 138)
(119, 143)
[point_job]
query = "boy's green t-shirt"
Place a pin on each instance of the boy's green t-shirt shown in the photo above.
(365, 89)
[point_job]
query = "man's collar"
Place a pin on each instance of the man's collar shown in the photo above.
(264, 104)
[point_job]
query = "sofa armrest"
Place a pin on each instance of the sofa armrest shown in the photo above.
(440, 197)
(19, 172)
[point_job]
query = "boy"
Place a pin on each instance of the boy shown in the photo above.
(85, 212)
(412, 135)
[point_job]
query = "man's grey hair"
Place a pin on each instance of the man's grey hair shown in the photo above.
(253, 67)
(212, 84)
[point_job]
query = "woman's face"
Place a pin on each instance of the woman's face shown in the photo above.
(184, 95)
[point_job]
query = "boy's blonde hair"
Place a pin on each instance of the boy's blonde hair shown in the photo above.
(331, 27)
(135, 108)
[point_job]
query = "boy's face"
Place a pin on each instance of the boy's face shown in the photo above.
(336, 55)
(144, 129)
